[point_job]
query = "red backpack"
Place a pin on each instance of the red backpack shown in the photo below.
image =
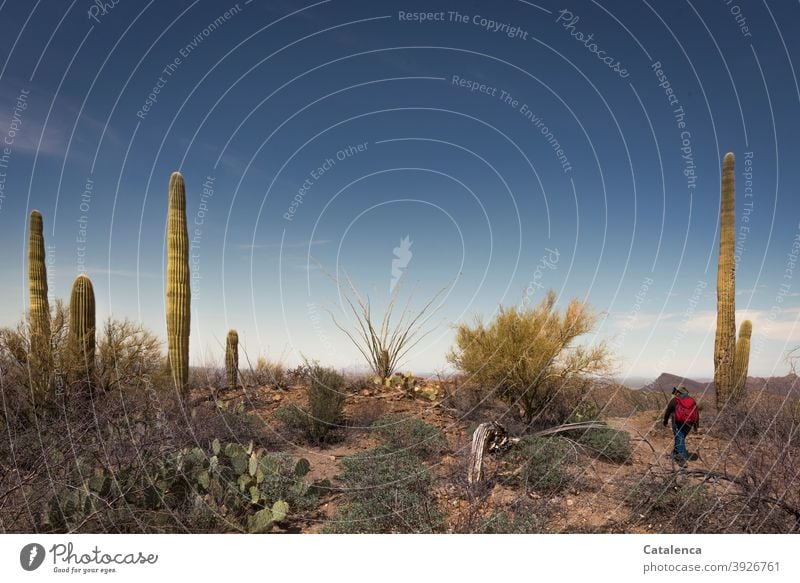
(686, 411)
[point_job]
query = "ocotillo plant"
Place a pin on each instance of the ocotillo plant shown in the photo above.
(742, 359)
(232, 358)
(40, 358)
(178, 292)
(725, 340)
(82, 325)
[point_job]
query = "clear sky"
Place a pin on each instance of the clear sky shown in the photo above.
(492, 149)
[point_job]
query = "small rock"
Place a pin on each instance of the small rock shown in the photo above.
(570, 501)
(365, 393)
(277, 398)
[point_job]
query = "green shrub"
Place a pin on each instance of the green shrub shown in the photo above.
(325, 392)
(529, 355)
(402, 432)
(543, 463)
(675, 505)
(611, 444)
(385, 491)
(584, 410)
(521, 520)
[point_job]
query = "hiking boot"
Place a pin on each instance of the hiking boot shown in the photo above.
(681, 461)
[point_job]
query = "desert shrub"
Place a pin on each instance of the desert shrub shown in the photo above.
(128, 354)
(402, 432)
(765, 430)
(295, 421)
(357, 383)
(467, 399)
(583, 410)
(608, 443)
(138, 461)
(229, 420)
(522, 518)
(676, 505)
(205, 376)
(363, 415)
(265, 373)
(385, 491)
(543, 464)
(565, 400)
(527, 354)
(325, 394)
(29, 387)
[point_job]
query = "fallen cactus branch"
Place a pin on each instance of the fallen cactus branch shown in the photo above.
(490, 437)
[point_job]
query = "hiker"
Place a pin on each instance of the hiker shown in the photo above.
(683, 412)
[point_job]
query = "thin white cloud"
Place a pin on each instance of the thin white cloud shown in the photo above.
(781, 326)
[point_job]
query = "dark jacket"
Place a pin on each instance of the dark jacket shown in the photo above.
(669, 412)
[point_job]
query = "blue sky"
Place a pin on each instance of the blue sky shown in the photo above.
(511, 149)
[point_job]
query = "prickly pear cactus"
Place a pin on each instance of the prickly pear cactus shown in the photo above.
(232, 358)
(178, 290)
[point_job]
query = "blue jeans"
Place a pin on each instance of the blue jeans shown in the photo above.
(680, 431)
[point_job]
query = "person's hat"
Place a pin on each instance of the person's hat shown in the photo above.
(680, 391)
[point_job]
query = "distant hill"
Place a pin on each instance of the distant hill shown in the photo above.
(665, 382)
(789, 384)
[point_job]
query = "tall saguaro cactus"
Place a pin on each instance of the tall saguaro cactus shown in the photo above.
(725, 340)
(178, 291)
(232, 358)
(40, 354)
(82, 325)
(742, 359)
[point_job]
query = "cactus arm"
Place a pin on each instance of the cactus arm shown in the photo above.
(742, 360)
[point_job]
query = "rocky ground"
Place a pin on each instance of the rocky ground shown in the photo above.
(597, 502)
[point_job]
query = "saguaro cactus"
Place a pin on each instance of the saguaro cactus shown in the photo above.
(725, 340)
(82, 324)
(40, 353)
(178, 292)
(232, 358)
(742, 359)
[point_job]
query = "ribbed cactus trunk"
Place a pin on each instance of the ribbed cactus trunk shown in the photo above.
(725, 341)
(82, 327)
(178, 292)
(40, 358)
(742, 360)
(232, 358)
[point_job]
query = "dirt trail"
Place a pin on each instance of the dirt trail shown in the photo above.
(598, 503)
(652, 447)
